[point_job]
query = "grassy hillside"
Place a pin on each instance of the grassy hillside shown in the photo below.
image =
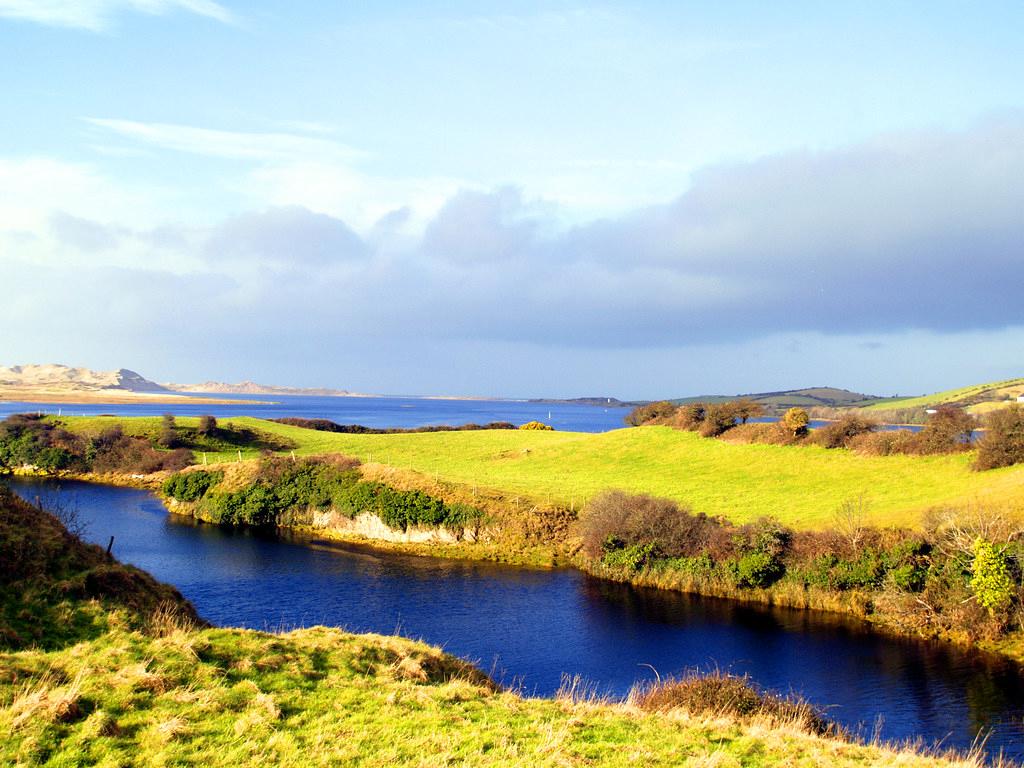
(809, 397)
(977, 397)
(165, 692)
(56, 590)
(801, 486)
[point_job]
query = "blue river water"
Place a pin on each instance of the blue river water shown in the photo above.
(531, 627)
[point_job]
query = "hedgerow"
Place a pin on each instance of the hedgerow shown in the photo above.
(285, 492)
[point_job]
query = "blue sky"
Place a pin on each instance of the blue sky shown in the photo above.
(637, 199)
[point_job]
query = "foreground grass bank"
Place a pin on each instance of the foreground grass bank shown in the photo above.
(142, 683)
(800, 486)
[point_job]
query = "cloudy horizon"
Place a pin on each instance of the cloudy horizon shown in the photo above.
(633, 201)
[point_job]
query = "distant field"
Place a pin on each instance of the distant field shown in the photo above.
(802, 486)
(981, 397)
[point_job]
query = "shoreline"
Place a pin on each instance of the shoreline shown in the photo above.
(852, 604)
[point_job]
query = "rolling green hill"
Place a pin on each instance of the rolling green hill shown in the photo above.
(810, 397)
(977, 398)
(802, 486)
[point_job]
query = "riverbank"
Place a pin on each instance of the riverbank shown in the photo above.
(143, 683)
(546, 537)
(895, 583)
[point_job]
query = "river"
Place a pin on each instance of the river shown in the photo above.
(530, 627)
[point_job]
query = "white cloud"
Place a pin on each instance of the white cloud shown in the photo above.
(95, 15)
(234, 145)
(346, 193)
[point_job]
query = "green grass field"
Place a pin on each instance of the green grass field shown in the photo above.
(325, 697)
(948, 396)
(802, 486)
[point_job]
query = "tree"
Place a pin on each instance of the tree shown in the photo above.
(840, 432)
(1003, 442)
(691, 415)
(949, 429)
(745, 408)
(645, 414)
(207, 426)
(168, 434)
(718, 418)
(796, 421)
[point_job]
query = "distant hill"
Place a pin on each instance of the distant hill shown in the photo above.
(607, 402)
(252, 388)
(56, 383)
(50, 377)
(810, 397)
(977, 398)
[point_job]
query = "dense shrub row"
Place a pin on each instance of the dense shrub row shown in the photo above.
(30, 440)
(326, 425)
(947, 430)
(963, 573)
(286, 492)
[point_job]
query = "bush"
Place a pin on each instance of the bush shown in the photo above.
(632, 558)
(284, 490)
(758, 569)
(168, 432)
(886, 442)
(1002, 445)
(796, 420)
(190, 486)
(745, 408)
(537, 425)
(719, 694)
(948, 430)
(770, 433)
(718, 418)
(690, 416)
(991, 581)
(651, 413)
(207, 426)
(326, 425)
(841, 432)
(631, 519)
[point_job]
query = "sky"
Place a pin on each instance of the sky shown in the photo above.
(518, 199)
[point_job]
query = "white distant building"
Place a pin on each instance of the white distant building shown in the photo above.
(1020, 398)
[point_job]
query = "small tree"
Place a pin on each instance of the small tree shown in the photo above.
(992, 583)
(796, 421)
(718, 418)
(949, 429)
(168, 433)
(745, 408)
(691, 416)
(207, 426)
(1003, 442)
(651, 412)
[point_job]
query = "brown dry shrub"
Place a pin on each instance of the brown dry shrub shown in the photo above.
(642, 519)
(885, 443)
(689, 416)
(1003, 442)
(772, 433)
(839, 433)
(720, 694)
(652, 413)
